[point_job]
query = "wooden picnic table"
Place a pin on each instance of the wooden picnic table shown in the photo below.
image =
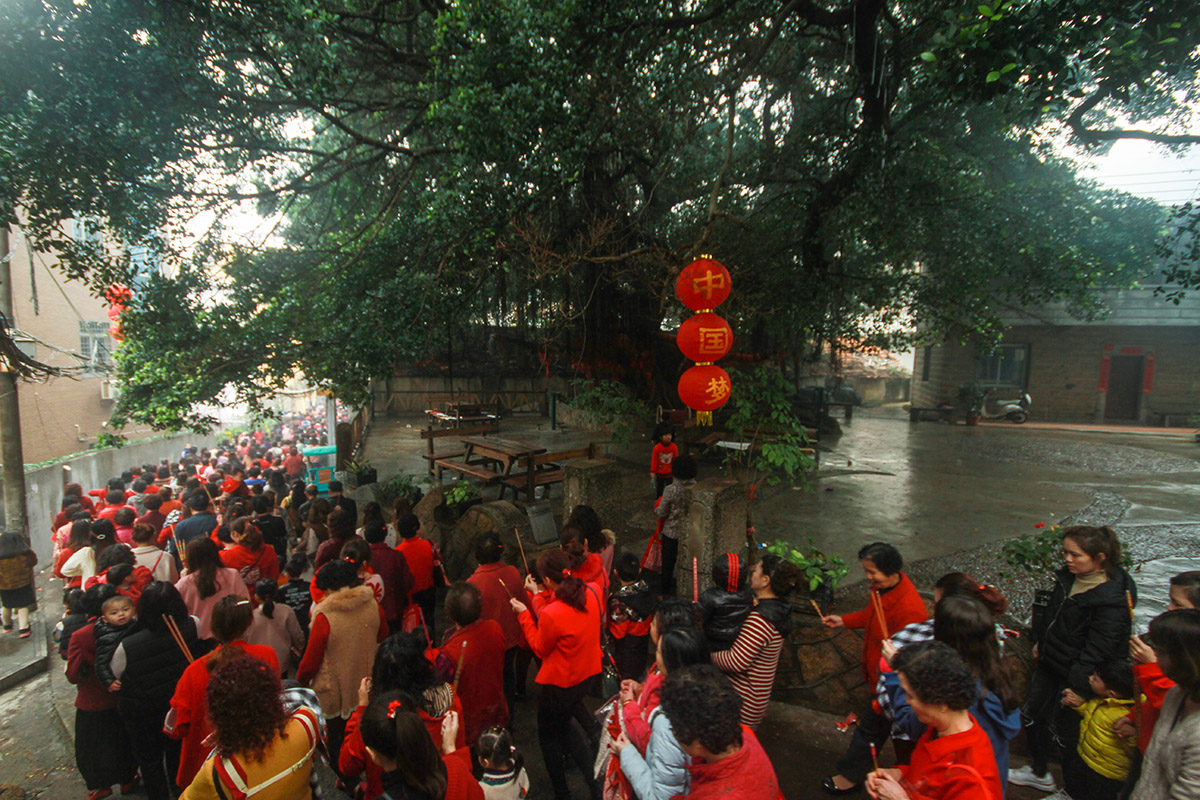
(504, 453)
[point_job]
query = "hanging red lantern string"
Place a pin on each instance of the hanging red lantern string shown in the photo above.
(703, 284)
(705, 337)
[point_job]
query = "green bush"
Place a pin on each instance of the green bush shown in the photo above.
(816, 567)
(612, 404)
(460, 492)
(1040, 553)
(401, 485)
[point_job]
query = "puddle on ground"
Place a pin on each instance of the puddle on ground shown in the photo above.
(1153, 582)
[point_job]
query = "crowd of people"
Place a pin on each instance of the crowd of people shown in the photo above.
(228, 629)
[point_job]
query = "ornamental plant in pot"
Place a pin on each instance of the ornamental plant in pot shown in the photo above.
(970, 399)
(456, 499)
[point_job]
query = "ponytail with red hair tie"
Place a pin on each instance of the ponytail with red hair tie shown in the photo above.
(566, 574)
(393, 707)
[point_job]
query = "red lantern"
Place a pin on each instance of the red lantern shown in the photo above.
(703, 284)
(115, 332)
(704, 337)
(705, 387)
(117, 294)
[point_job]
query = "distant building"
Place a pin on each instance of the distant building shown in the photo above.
(60, 323)
(1140, 363)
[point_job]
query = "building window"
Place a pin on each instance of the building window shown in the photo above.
(926, 363)
(1007, 367)
(95, 348)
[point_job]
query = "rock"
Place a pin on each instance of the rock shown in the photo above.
(10, 792)
(458, 544)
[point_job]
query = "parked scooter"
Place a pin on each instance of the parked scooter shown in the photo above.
(1012, 410)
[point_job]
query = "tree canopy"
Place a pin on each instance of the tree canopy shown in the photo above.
(547, 168)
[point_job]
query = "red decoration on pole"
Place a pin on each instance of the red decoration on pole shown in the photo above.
(704, 337)
(705, 387)
(703, 284)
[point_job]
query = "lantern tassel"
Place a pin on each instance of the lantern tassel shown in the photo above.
(704, 419)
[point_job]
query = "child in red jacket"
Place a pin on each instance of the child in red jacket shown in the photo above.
(662, 458)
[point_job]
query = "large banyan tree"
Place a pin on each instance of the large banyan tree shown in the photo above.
(542, 170)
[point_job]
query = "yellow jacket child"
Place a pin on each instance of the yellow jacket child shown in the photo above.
(1101, 749)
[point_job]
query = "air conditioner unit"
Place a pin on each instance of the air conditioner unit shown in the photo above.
(109, 390)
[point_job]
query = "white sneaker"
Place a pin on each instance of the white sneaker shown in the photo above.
(1024, 777)
(1061, 794)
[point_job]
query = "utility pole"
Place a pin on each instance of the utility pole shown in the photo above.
(12, 457)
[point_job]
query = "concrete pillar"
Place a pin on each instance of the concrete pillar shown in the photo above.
(593, 482)
(714, 524)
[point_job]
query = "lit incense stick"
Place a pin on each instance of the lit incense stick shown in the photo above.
(524, 560)
(695, 582)
(462, 654)
(816, 608)
(874, 757)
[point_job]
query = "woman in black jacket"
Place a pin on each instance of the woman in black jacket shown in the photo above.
(1086, 622)
(149, 662)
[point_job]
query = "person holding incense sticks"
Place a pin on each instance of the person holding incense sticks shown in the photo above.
(149, 662)
(754, 657)
(498, 583)
(476, 646)
(1085, 621)
(893, 603)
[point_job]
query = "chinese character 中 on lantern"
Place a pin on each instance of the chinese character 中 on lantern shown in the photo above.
(704, 337)
(703, 284)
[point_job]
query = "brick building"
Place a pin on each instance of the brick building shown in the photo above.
(1140, 363)
(62, 324)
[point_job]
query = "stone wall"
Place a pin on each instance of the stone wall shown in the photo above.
(714, 523)
(92, 470)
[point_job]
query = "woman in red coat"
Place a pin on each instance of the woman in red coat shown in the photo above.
(476, 647)
(954, 759)
(230, 619)
(890, 591)
(249, 556)
(566, 637)
(397, 740)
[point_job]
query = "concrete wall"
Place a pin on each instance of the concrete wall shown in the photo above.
(49, 307)
(1065, 369)
(92, 469)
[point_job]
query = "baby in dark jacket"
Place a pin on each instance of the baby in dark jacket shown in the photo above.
(115, 623)
(74, 619)
(724, 608)
(630, 610)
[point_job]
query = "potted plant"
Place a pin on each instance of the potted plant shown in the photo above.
(402, 485)
(970, 399)
(359, 473)
(822, 573)
(457, 498)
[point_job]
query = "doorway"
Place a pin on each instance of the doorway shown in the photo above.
(1124, 387)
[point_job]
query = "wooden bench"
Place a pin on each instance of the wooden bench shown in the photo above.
(431, 433)
(544, 469)
(944, 413)
(482, 474)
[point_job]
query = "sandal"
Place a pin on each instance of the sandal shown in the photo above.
(99, 794)
(8, 628)
(26, 633)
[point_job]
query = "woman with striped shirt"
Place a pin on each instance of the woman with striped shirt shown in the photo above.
(754, 657)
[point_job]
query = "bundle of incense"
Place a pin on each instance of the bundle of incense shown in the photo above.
(816, 608)
(462, 654)
(178, 637)
(505, 585)
(877, 603)
(695, 582)
(524, 560)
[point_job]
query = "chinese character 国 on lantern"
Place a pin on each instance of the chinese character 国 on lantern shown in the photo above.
(705, 337)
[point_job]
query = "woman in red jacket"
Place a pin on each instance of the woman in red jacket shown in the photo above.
(566, 637)
(230, 619)
(892, 593)
(249, 556)
(954, 759)
(397, 741)
(588, 567)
